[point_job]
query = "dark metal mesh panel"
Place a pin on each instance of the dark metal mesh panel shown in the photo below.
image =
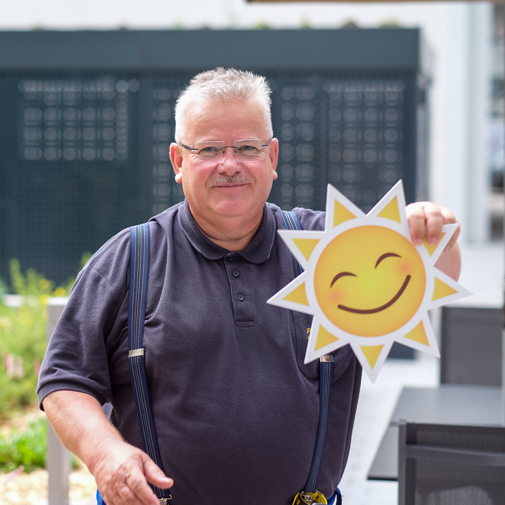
(84, 156)
(298, 126)
(69, 168)
(339, 129)
(157, 129)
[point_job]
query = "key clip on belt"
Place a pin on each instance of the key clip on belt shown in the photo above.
(304, 498)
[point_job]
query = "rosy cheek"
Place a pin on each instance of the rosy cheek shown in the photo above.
(336, 296)
(404, 268)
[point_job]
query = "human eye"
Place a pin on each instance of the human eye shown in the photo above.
(248, 148)
(208, 151)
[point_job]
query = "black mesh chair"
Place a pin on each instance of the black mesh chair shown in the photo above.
(451, 465)
(471, 346)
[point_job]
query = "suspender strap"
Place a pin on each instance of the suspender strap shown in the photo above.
(325, 377)
(137, 298)
(291, 222)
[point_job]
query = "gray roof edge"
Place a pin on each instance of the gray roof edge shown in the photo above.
(157, 50)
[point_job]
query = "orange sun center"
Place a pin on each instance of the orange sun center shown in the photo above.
(369, 281)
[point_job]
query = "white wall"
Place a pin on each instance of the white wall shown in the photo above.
(459, 33)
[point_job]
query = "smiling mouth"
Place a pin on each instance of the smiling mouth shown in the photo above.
(382, 307)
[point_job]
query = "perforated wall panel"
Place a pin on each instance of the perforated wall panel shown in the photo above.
(84, 154)
(70, 168)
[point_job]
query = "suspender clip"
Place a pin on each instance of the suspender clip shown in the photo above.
(136, 352)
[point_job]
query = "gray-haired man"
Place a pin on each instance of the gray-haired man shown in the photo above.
(235, 408)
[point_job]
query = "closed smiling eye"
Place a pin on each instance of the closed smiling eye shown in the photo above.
(386, 255)
(341, 274)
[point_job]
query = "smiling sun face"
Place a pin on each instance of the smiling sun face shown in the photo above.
(369, 281)
(365, 283)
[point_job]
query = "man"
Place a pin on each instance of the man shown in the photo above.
(235, 407)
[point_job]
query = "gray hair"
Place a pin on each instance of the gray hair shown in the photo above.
(224, 85)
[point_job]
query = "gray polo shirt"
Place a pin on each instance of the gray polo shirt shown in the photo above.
(235, 408)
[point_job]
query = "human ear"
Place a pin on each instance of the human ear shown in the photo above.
(274, 156)
(177, 161)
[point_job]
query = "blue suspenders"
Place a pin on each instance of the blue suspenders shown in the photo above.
(139, 276)
(291, 222)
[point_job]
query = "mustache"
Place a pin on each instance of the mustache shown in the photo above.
(230, 179)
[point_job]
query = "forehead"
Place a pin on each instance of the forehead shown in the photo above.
(231, 120)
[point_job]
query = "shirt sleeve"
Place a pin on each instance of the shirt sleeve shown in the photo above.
(91, 327)
(311, 219)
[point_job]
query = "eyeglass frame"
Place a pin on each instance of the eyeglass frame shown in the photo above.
(226, 147)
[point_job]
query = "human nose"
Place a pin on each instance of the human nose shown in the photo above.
(228, 163)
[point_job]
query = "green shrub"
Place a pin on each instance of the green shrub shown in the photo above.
(23, 337)
(27, 448)
(22, 347)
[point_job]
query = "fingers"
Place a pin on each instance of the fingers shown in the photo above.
(122, 477)
(449, 218)
(154, 475)
(426, 218)
(133, 490)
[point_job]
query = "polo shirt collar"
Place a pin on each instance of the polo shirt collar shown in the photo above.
(257, 251)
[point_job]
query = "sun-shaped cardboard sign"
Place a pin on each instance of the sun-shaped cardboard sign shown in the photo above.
(365, 282)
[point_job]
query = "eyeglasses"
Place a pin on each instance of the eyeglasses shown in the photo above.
(245, 150)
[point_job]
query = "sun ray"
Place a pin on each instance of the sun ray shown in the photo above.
(306, 246)
(339, 209)
(301, 243)
(341, 214)
(418, 334)
(392, 205)
(321, 341)
(372, 357)
(445, 290)
(442, 290)
(391, 211)
(324, 338)
(432, 248)
(372, 353)
(422, 337)
(435, 251)
(298, 295)
(291, 296)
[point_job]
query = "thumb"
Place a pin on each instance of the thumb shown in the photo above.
(155, 475)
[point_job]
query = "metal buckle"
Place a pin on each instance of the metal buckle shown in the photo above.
(304, 498)
(136, 352)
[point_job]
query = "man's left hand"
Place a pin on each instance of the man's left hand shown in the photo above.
(427, 219)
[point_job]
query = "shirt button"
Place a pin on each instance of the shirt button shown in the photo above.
(241, 297)
(235, 273)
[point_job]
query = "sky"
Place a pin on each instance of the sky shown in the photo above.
(163, 14)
